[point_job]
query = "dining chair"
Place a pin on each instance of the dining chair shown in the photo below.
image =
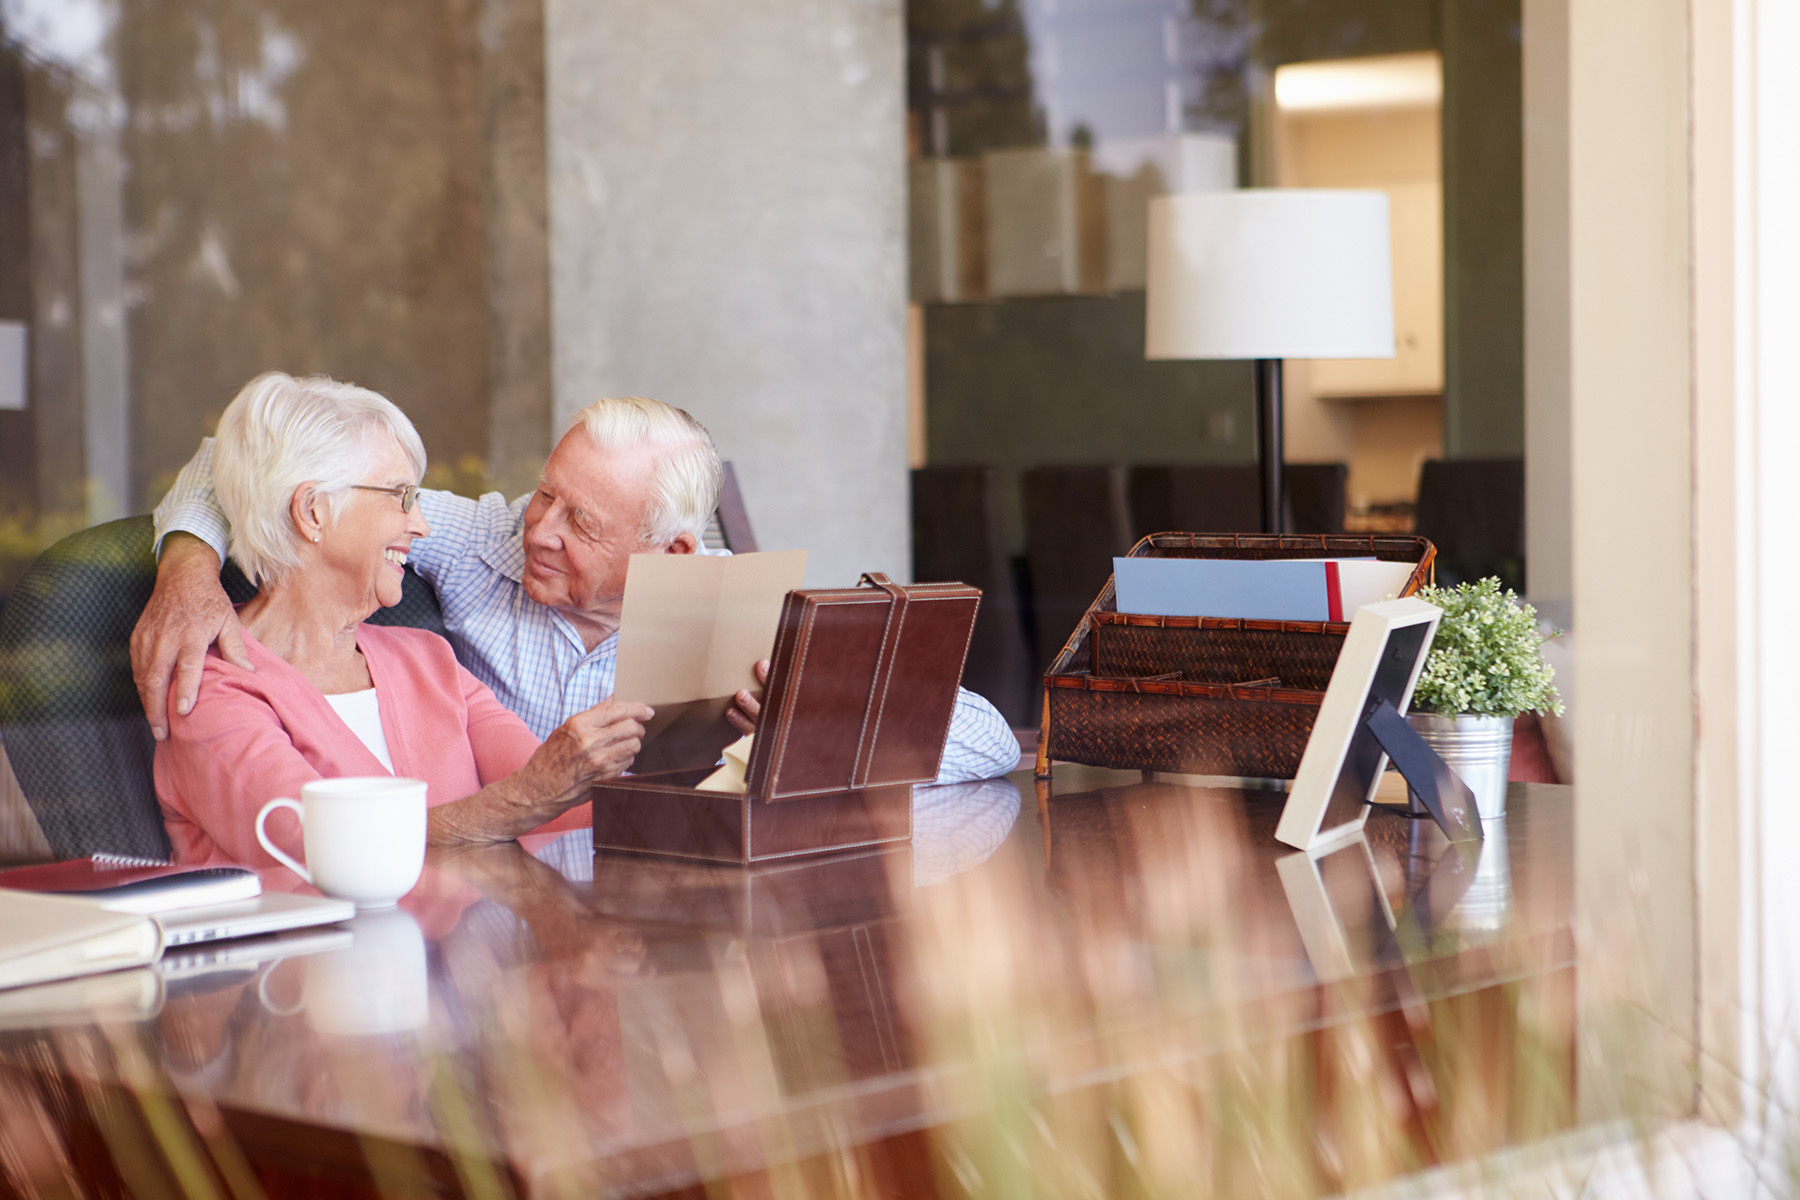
(1473, 510)
(1224, 498)
(956, 536)
(1076, 520)
(70, 719)
(729, 526)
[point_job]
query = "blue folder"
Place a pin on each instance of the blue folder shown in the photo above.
(1253, 589)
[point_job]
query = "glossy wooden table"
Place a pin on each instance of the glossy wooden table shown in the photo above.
(1122, 986)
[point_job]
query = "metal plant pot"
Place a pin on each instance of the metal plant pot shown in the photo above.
(1478, 749)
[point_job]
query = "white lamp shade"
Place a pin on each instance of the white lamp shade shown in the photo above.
(1270, 273)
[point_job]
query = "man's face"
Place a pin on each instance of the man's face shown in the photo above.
(581, 527)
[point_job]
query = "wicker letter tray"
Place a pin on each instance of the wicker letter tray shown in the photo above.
(1201, 695)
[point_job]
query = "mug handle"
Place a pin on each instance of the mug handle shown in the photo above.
(271, 847)
(262, 992)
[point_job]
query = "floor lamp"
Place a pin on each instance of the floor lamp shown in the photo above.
(1269, 274)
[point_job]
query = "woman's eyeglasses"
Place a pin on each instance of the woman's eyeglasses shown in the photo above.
(409, 494)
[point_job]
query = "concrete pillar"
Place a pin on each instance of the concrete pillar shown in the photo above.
(727, 233)
(510, 64)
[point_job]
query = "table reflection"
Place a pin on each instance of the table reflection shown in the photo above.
(958, 826)
(1467, 886)
(561, 1020)
(377, 984)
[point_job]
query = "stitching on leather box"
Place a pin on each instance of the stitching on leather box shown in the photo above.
(887, 679)
(800, 657)
(890, 629)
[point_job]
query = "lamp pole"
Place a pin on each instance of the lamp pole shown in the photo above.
(1268, 440)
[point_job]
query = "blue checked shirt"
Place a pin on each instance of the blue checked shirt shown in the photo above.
(530, 655)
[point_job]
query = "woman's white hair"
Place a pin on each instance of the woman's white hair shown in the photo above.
(685, 489)
(280, 432)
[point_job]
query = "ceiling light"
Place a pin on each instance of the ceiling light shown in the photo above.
(1388, 81)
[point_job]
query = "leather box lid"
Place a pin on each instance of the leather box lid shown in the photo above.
(858, 697)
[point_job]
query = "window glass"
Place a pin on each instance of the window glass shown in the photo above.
(1041, 130)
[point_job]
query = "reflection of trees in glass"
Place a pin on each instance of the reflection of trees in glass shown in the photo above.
(51, 102)
(969, 81)
(1232, 39)
(1306, 30)
(1224, 33)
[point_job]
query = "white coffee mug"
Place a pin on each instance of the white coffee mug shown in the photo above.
(364, 836)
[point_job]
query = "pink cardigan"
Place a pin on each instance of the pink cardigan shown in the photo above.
(253, 736)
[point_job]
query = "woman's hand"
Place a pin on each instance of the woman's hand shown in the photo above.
(596, 744)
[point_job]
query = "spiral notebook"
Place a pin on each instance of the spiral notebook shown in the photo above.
(189, 904)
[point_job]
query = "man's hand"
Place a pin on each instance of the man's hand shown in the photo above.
(746, 709)
(187, 612)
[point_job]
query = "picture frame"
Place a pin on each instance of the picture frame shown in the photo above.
(1382, 658)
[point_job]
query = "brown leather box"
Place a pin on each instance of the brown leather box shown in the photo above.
(862, 684)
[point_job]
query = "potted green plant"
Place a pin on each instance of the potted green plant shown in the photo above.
(1486, 667)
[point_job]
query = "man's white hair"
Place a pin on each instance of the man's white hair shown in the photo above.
(685, 489)
(280, 432)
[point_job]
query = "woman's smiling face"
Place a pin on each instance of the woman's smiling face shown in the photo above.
(362, 556)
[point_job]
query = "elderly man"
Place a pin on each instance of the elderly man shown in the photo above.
(531, 591)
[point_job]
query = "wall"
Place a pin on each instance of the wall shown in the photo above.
(1387, 434)
(1741, 648)
(1391, 439)
(1548, 558)
(1745, 186)
(1484, 305)
(1026, 382)
(1631, 441)
(1684, 286)
(727, 207)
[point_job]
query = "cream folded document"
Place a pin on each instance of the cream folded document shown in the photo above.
(733, 775)
(691, 631)
(44, 937)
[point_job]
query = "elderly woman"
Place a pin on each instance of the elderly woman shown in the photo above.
(319, 481)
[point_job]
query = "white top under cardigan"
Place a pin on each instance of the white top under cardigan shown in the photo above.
(359, 711)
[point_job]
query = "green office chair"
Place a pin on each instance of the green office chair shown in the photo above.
(70, 720)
